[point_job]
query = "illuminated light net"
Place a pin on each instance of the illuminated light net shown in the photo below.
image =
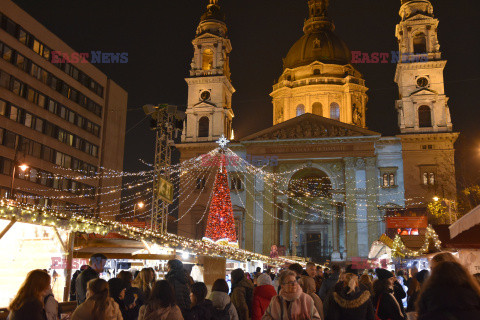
(220, 222)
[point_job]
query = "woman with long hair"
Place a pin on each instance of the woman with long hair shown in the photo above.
(291, 302)
(350, 300)
(450, 292)
(98, 306)
(221, 300)
(384, 302)
(28, 303)
(143, 281)
(161, 304)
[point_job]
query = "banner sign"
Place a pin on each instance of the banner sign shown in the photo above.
(407, 222)
(165, 190)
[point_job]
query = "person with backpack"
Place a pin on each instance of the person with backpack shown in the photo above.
(202, 308)
(223, 309)
(242, 294)
(178, 280)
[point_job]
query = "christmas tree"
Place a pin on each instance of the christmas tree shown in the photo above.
(220, 223)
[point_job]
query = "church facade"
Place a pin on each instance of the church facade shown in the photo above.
(326, 181)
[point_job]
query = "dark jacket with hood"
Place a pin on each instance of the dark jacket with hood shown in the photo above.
(388, 307)
(356, 305)
(81, 283)
(448, 303)
(327, 285)
(179, 282)
(201, 311)
(242, 294)
(261, 299)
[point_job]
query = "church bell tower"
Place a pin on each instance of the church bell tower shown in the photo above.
(423, 112)
(209, 110)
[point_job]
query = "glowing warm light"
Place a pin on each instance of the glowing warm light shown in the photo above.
(141, 204)
(436, 198)
(23, 167)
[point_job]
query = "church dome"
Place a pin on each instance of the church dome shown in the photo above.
(319, 43)
(322, 45)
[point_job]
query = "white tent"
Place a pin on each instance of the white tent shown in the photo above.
(466, 222)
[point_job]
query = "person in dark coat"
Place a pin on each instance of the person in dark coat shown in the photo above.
(387, 307)
(95, 267)
(179, 282)
(242, 294)
(329, 283)
(350, 301)
(28, 303)
(416, 285)
(450, 292)
(399, 294)
(73, 295)
(133, 295)
(116, 290)
(202, 309)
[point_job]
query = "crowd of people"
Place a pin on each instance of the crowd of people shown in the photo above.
(449, 291)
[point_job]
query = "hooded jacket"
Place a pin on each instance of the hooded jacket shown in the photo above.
(85, 310)
(388, 307)
(168, 313)
(261, 299)
(308, 286)
(242, 294)
(179, 282)
(220, 300)
(442, 303)
(356, 305)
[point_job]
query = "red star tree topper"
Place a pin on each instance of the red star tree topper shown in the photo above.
(220, 223)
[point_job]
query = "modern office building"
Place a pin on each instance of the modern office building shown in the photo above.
(66, 121)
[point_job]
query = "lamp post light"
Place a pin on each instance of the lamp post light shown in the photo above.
(446, 203)
(140, 205)
(22, 167)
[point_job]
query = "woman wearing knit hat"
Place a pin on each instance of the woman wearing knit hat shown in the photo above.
(262, 294)
(384, 301)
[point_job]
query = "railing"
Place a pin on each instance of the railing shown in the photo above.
(65, 308)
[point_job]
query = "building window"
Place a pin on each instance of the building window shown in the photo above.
(200, 183)
(300, 109)
(207, 59)
(317, 109)
(236, 183)
(424, 117)
(388, 180)
(203, 127)
(428, 178)
(334, 111)
(420, 44)
(316, 72)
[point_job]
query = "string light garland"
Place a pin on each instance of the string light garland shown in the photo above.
(13, 211)
(400, 250)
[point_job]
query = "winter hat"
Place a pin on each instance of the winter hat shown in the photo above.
(115, 286)
(422, 276)
(264, 279)
(383, 274)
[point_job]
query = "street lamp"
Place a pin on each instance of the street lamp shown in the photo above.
(22, 167)
(446, 203)
(435, 199)
(140, 205)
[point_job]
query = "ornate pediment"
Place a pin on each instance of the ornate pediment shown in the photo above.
(309, 126)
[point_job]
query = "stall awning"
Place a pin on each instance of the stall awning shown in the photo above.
(466, 222)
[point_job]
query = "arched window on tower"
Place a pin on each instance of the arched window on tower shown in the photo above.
(317, 109)
(203, 126)
(334, 111)
(207, 59)
(300, 109)
(424, 117)
(419, 43)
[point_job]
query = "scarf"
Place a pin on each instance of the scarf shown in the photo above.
(291, 296)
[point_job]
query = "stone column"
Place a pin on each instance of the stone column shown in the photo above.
(348, 108)
(372, 201)
(249, 211)
(269, 222)
(351, 247)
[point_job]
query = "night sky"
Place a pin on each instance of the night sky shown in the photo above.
(157, 36)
